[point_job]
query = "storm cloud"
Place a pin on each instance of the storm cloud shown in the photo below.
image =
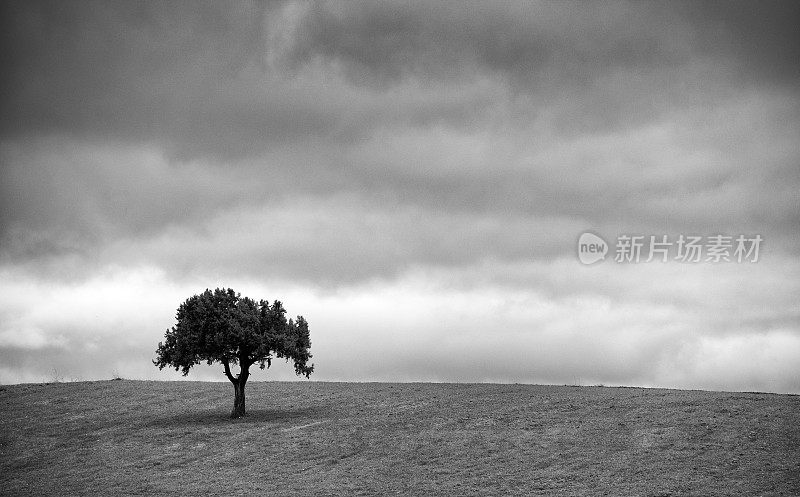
(412, 177)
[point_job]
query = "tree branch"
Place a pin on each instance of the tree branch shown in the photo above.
(228, 371)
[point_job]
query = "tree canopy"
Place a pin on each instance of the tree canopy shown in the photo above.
(222, 326)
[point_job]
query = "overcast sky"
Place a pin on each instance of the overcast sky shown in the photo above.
(412, 177)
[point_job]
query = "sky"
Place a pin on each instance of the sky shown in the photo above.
(412, 178)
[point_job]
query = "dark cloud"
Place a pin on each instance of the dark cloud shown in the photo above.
(544, 43)
(212, 80)
(760, 38)
(140, 72)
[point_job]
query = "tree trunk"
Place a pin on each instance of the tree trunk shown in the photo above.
(238, 402)
(238, 386)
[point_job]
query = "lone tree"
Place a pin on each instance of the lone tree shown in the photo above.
(225, 327)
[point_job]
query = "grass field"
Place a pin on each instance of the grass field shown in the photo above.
(308, 438)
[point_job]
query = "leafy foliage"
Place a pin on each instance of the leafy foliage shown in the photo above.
(225, 327)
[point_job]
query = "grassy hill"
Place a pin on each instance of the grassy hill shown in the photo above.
(308, 438)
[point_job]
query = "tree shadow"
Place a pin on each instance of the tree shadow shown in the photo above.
(219, 416)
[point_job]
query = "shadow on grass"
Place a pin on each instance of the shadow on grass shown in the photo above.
(222, 417)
